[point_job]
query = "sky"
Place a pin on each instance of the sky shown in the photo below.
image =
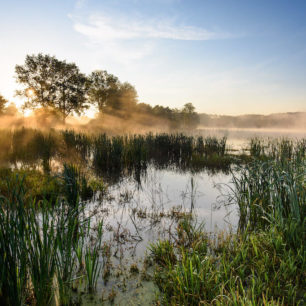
(224, 56)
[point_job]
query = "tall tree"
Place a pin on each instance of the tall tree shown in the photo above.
(103, 89)
(189, 116)
(50, 82)
(127, 96)
(109, 94)
(2, 104)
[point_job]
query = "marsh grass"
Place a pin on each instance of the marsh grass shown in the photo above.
(111, 156)
(264, 262)
(92, 266)
(47, 243)
(38, 243)
(248, 269)
(277, 149)
(270, 191)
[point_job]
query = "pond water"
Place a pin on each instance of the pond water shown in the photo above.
(238, 139)
(139, 212)
(142, 207)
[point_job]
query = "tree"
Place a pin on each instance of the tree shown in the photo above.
(109, 94)
(51, 82)
(103, 88)
(189, 116)
(127, 96)
(2, 104)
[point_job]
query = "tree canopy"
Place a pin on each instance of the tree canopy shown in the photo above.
(189, 116)
(60, 86)
(50, 82)
(3, 101)
(109, 94)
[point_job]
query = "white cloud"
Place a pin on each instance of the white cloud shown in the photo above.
(126, 39)
(101, 28)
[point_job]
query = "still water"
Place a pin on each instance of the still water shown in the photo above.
(136, 214)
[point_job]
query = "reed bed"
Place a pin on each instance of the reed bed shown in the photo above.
(47, 244)
(40, 250)
(265, 261)
(112, 156)
(278, 149)
(270, 191)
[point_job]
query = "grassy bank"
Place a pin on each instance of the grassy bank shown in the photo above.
(263, 263)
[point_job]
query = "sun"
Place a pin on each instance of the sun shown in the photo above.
(30, 93)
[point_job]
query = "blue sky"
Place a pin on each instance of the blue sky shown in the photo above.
(226, 57)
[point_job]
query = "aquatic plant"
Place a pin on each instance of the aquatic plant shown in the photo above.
(13, 248)
(264, 262)
(92, 266)
(38, 243)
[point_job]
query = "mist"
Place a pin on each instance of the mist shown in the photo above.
(48, 118)
(290, 120)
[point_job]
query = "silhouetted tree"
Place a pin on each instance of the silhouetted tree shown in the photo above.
(51, 82)
(127, 96)
(2, 104)
(109, 94)
(189, 116)
(103, 88)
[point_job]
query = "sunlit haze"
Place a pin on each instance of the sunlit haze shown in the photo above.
(225, 57)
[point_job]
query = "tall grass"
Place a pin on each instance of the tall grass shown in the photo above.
(110, 155)
(278, 149)
(270, 191)
(92, 266)
(13, 247)
(264, 263)
(32, 147)
(41, 245)
(38, 243)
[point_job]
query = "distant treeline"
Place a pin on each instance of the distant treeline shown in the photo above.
(60, 88)
(295, 120)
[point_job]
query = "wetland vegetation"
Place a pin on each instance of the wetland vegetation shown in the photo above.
(57, 246)
(95, 213)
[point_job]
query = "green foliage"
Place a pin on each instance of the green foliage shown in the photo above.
(264, 263)
(163, 253)
(277, 149)
(270, 190)
(112, 156)
(110, 95)
(185, 118)
(33, 146)
(51, 82)
(254, 268)
(13, 246)
(40, 245)
(3, 101)
(36, 185)
(92, 266)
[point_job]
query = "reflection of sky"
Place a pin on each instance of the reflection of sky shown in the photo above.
(162, 190)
